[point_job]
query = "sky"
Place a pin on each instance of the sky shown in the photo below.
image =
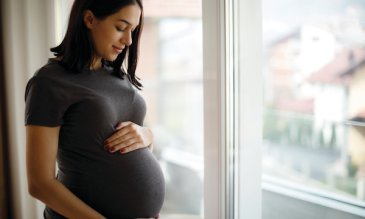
(281, 17)
(296, 10)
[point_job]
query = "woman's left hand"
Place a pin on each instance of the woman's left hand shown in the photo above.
(128, 137)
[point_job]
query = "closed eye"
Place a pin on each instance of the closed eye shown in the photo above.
(120, 29)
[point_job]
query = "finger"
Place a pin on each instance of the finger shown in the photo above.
(123, 124)
(119, 140)
(116, 135)
(124, 144)
(126, 129)
(133, 147)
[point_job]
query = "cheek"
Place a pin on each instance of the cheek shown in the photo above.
(102, 37)
(108, 38)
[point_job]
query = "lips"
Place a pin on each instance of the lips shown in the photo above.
(118, 49)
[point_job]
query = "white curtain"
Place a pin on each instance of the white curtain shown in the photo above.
(28, 35)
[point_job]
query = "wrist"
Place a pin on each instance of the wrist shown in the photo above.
(150, 146)
(149, 137)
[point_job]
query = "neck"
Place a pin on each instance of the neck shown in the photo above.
(95, 64)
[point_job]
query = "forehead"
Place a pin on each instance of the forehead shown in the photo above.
(130, 14)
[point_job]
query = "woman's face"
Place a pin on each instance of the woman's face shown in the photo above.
(113, 33)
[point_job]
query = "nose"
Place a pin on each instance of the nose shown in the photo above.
(126, 39)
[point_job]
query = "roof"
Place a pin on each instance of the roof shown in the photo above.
(359, 117)
(341, 68)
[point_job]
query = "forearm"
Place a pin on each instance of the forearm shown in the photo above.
(59, 198)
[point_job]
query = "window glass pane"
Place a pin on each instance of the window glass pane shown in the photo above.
(171, 69)
(314, 117)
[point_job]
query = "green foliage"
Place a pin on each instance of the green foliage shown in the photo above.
(281, 129)
(296, 130)
(351, 168)
(346, 184)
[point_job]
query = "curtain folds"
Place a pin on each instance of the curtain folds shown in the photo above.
(27, 35)
(5, 203)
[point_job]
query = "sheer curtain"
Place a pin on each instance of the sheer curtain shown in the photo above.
(27, 35)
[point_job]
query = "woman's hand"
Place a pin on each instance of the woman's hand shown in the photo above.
(128, 137)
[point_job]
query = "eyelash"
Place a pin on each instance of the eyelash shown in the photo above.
(122, 30)
(119, 29)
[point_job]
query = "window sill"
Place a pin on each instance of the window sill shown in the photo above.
(311, 195)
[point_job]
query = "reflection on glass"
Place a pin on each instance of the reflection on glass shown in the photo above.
(171, 69)
(314, 121)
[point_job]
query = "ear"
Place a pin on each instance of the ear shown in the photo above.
(89, 19)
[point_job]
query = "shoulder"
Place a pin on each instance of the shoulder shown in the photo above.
(50, 78)
(53, 70)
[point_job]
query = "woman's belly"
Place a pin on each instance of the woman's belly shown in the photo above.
(121, 185)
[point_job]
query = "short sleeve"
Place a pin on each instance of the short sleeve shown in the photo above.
(46, 101)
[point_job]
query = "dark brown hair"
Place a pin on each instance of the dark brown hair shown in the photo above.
(77, 49)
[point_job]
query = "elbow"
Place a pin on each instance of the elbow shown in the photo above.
(33, 189)
(37, 188)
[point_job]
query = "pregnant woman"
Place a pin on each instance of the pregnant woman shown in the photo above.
(83, 111)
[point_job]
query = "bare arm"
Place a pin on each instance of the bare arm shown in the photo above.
(42, 144)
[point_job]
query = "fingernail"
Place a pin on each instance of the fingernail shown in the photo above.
(111, 150)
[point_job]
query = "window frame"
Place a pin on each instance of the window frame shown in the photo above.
(232, 149)
(214, 98)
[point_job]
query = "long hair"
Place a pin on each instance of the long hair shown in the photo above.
(76, 48)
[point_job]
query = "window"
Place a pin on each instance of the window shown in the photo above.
(297, 162)
(171, 69)
(314, 130)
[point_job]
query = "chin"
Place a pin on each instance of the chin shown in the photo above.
(111, 58)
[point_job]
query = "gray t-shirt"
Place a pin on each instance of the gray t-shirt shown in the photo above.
(88, 106)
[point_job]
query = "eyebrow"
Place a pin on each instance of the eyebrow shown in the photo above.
(125, 21)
